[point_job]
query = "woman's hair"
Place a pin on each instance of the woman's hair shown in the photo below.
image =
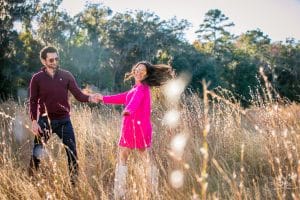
(157, 74)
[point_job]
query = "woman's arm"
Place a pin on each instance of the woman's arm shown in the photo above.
(115, 99)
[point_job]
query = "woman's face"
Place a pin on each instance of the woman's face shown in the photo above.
(140, 73)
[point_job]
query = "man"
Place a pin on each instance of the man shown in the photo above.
(50, 109)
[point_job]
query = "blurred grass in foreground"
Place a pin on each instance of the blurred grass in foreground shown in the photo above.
(211, 149)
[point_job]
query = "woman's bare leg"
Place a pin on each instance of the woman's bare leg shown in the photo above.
(144, 153)
(121, 173)
(123, 155)
(151, 171)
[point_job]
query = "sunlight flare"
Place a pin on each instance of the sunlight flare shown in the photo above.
(18, 128)
(178, 144)
(171, 118)
(176, 178)
(174, 88)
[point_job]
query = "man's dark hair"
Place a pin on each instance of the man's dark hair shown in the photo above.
(45, 50)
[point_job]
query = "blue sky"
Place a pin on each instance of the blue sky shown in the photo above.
(278, 19)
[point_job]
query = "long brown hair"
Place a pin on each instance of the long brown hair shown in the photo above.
(157, 74)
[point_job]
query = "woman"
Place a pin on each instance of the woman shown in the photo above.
(136, 131)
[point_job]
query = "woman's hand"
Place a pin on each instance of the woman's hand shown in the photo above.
(99, 96)
(95, 98)
(125, 113)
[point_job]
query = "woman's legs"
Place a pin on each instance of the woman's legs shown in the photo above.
(121, 173)
(151, 171)
(144, 155)
(123, 155)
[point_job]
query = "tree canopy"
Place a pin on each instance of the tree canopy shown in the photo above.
(98, 46)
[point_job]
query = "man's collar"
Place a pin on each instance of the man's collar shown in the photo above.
(44, 69)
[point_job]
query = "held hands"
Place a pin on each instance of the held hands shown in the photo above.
(99, 97)
(95, 98)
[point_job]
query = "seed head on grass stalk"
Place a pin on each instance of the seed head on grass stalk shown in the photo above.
(204, 148)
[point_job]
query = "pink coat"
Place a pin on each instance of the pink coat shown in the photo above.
(136, 131)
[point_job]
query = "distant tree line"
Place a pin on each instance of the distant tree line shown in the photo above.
(99, 46)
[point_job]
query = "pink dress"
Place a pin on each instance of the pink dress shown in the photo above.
(136, 131)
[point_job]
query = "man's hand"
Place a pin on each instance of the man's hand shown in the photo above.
(93, 98)
(35, 127)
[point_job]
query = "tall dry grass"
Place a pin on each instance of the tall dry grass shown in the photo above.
(217, 150)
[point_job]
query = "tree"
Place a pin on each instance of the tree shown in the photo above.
(11, 11)
(54, 26)
(213, 31)
(135, 36)
(255, 43)
(285, 64)
(86, 52)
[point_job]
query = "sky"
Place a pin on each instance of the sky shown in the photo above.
(279, 19)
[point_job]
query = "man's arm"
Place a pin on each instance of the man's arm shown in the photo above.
(78, 94)
(75, 90)
(33, 101)
(33, 98)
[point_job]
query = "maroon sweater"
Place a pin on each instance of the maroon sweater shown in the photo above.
(50, 95)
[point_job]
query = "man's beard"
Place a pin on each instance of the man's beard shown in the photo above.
(53, 67)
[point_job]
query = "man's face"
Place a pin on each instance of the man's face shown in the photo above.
(51, 60)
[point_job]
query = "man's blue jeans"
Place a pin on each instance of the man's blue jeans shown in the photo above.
(64, 130)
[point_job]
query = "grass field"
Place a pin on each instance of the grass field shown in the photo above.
(203, 149)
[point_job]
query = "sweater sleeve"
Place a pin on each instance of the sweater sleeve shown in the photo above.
(136, 99)
(75, 90)
(115, 99)
(33, 99)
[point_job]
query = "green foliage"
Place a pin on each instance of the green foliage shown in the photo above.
(213, 30)
(135, 36)
(99, 46)
(285, 65)
(12, 75)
